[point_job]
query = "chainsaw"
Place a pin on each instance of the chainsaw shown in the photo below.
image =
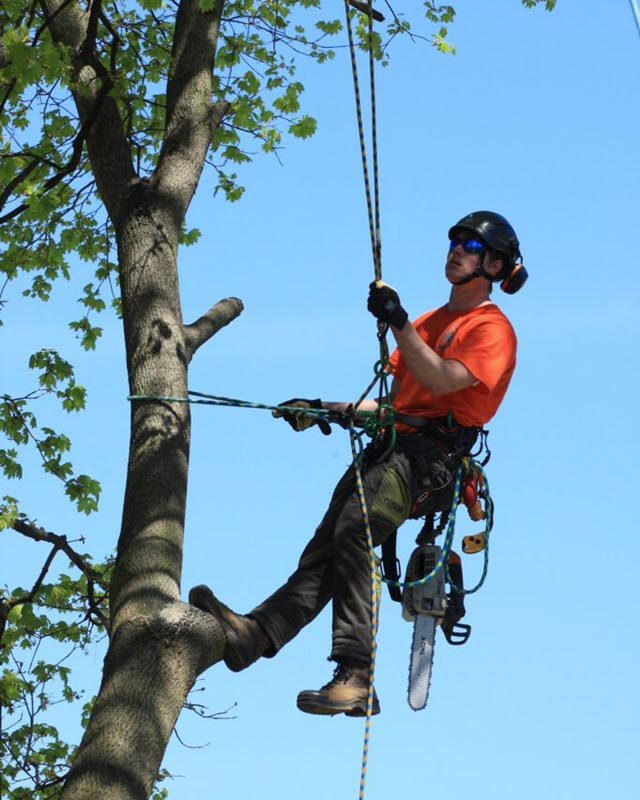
(428, 605)
(425, 599)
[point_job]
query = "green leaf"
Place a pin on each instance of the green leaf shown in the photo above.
(84, 492)
(304, 127)
(9, 464)
(8, 512)
(74, 397)
(55, 368)
(329, 27)
(190, 237)
(10, 685)
(87, 333)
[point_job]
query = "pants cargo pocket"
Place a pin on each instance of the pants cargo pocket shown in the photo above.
(393, 501)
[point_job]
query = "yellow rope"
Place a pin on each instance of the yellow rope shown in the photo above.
(376, 248)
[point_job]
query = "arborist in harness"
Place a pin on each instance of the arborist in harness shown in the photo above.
(451, 369)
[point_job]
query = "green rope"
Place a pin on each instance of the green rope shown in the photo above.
(373, 422)
(487, 531)
(217, 400)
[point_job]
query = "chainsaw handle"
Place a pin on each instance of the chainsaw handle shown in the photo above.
(458, 633)
(455, 632)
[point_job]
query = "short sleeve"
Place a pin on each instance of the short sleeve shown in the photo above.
(487, 349)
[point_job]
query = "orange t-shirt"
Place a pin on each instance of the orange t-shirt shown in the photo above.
(484, 341)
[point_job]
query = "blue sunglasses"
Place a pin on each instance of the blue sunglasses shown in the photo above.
(471, 246)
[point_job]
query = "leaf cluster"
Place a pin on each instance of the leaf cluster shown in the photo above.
(43, 631)
(20, 429)
(549, 5)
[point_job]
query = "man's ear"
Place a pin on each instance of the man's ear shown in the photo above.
(495, 266)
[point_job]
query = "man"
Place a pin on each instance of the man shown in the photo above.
(451, 369)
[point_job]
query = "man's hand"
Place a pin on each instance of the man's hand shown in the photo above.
(385, 306)
(300, 421)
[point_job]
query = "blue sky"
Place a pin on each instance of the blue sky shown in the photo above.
(536, 117)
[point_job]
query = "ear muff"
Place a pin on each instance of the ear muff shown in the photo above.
(515, 280)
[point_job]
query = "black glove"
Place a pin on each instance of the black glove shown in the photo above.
(384, 304)
(300, 421)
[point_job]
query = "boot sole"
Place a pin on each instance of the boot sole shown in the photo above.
(321, 707)
(362, 712)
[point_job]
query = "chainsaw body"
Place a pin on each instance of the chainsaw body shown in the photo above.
(430, 597)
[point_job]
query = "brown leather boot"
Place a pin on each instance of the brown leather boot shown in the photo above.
(245, 639)
(346, 693)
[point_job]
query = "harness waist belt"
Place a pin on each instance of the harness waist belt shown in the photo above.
(442, 429)
(446, 424)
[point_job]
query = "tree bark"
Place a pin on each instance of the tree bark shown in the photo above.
(109, 151)
(151, 664)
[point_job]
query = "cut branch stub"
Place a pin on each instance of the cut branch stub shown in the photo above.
(216, 318)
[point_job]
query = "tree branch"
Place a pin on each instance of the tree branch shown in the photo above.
(31, 531)
(60, 543)
(216, 318)
(69, 167)
(191, 118)
(20, 176)
(109, 151)
(28, 598)
(366, 9)
(95, 12)
(43, 574)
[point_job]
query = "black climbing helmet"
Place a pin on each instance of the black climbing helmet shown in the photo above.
(496, 232)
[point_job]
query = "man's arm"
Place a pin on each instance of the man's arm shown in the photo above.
(303, 419)
(365, 405)
(438, 375)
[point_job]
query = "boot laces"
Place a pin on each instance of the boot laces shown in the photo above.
(341, 674)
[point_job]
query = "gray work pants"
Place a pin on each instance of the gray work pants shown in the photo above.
(335, 564)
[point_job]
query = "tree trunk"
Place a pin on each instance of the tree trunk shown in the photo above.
(158, 644)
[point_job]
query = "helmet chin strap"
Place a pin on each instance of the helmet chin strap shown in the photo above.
(471, 277)
(478, 272)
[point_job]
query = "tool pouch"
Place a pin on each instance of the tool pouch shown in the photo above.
(432, 474)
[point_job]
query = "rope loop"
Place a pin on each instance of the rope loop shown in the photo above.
(382, 368)
(488, 526)
(375, 423)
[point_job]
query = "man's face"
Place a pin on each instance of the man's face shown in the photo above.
(461, 263)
